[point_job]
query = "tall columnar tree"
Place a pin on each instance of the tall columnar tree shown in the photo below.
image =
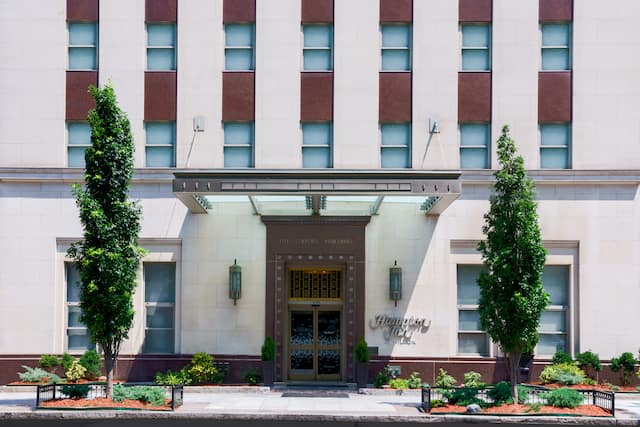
(512, 297)
(108, 256)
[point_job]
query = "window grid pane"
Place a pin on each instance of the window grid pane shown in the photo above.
(316, 157)
(82, 58)
(555, 142)
(238, 145)
(160, 144)
(161, 43)
(553, 330)
(239, 44)
(159, 280)
(77, 334)
(474, 146)
(396, 47)
(471, 338)
(556, 46)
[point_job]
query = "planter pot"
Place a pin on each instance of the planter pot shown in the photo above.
(268, 371)
(362, 374)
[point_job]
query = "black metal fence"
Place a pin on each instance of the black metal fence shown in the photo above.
(89, 391)
(602, 399)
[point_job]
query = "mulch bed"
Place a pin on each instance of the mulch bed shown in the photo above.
(102, 402)
(582, 410)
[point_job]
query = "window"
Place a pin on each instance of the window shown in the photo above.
(318, 46)
(474, 146)
(161, 141)
(471, 338)
(554, 145)
(159, 301)
(316, 145)
(77, 334)
(161, 47)
(239, 43)
(476, 43)
(78, 139)
(396, 145)
(83, 43)
(396, 47)
(554, 320)
(238, 145)
(556, 42)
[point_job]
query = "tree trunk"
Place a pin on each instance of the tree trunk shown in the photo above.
(109, 361)
(514, 364)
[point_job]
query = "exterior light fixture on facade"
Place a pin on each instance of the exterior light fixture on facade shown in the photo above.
(434, 126)
(395, 283)
(235, 282)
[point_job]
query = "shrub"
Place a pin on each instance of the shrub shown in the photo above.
(523, 393)
(36, 375)
(561, 357)
(627, 363)
(146, 394)
(382, 378)
(444, 380)
(500, 393)
(76, 391)
(563, 398)
(173, 378)
(49, 362)
(76, 371)
(414, 380)
(472, 380)
(569, 379)
(399, 383)
(534, 407)
(465, 396)
(361, 351)
(554, 373)
(590, 381)
(92, 362)
(201, 369)
(437, 403)
(252, 376)
(268, 350)
(66, 361)
(588, 359)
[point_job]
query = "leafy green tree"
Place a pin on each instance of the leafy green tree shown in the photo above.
(108, 256)
(512, 297)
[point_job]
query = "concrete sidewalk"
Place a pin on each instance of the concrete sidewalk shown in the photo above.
(257, 403)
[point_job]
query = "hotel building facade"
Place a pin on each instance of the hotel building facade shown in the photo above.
(327, 148)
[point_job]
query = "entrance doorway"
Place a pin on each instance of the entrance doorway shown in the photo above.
(315, 326)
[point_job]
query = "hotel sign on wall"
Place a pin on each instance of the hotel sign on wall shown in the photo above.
(400, 329)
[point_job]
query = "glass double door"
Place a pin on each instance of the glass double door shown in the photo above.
(315, 343)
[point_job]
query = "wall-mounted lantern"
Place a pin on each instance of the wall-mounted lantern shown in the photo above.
(395, 283)
(235, 282)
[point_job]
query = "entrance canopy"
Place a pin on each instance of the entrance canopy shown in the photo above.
(316, 192)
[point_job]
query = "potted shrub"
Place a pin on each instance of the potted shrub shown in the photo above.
(361, 353)
(268, 355)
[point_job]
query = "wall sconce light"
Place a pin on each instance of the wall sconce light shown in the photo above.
(434, 126)
(235, 282)
(395, 283)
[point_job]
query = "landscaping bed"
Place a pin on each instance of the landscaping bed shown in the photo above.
(512, 409)
(600, 387)
(103, 403)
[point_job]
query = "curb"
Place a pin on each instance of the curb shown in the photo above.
(419, 419)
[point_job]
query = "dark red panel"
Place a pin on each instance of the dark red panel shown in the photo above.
(475, 10)
(316, 97)
(556, 10)
(474, 97)
(396, 11)
(161, 10)
(160, 95)
(395, 97)
(78, 100)
(83, 10)
(239, 11)
(238, 96)
(554, 97)
(317, 11)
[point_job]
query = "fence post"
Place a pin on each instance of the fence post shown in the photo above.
(38, 395)
(54, 391)
(173, 397)
(613, 404)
